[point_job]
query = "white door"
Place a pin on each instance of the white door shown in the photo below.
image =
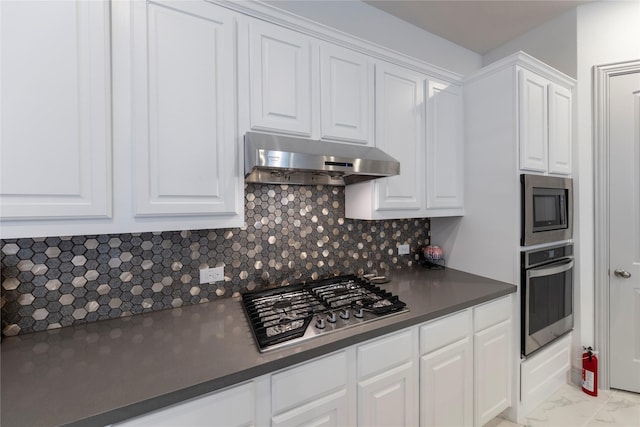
(624, 237)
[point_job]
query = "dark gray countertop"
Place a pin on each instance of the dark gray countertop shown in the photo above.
(103, 372)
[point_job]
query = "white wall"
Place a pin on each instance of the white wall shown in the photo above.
(607, 32)
(367, 22)
(553, 42)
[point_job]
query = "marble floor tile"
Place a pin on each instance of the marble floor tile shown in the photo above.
(622, 409)
(570, 407)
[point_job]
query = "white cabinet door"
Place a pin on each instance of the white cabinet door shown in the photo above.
(280, 79)
(560, 135)
(446, 386)
(388, 399)
(533, 121)
(234, 407)
(492, 371)
(185, 155)
(400, 133)
(56, 110)
(387, 380)
(445, 144)
(346, 95)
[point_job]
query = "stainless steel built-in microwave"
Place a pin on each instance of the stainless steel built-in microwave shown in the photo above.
(547, 209)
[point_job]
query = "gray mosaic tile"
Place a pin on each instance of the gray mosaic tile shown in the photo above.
(290, 232)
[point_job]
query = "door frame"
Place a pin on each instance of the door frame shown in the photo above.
(601, 77)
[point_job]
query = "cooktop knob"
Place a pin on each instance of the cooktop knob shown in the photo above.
(331, 317)
(358, 312)
(320, 323)
(344, 313)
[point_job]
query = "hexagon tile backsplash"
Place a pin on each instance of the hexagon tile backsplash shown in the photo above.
(290, 233)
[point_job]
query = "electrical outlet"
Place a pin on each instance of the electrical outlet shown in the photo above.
(210, 275)
(403, 250)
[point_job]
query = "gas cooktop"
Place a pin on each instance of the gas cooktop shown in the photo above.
(287, 315)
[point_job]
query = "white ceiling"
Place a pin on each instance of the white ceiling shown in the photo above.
(478, 25)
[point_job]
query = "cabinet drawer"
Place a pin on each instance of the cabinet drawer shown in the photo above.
(442, 332)
(385, 353)
(231, 407)
(306, 382)
(492, 313)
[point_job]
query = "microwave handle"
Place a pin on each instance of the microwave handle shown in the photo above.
(548, 270)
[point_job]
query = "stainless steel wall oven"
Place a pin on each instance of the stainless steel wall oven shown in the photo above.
(547, 295)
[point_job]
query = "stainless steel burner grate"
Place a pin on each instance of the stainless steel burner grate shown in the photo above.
(284, 316)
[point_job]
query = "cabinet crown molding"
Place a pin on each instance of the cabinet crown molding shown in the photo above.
(525, 61)
(275, 15)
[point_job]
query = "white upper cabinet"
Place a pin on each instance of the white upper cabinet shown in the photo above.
(418, 121)
(560, 135)
(280, 79)
(303, 86)
(400, 133)
(346, 95)
(445, 145)
(185, 142)
(399, 128)
(545, 118)
(56, 112)
(533, 122)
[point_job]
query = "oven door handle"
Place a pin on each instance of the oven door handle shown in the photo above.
(551, 269)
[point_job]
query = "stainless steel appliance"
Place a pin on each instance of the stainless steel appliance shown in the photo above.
(547, 209)
(290, 314)
(276, 159)
(547, 295)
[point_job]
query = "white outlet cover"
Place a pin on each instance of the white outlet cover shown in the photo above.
(217, 274)
(403, 250)
(210, 275)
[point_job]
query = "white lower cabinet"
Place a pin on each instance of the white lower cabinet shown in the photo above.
(313, 393)
(446, 372)
(492, 364)
(433, 374)
(327, 411)
(232, 407)
(387, 381)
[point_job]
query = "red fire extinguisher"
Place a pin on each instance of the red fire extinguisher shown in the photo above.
(589, 371)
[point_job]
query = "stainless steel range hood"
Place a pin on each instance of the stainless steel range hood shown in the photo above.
(274, 159)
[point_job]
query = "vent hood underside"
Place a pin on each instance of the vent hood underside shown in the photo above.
(274, 159)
